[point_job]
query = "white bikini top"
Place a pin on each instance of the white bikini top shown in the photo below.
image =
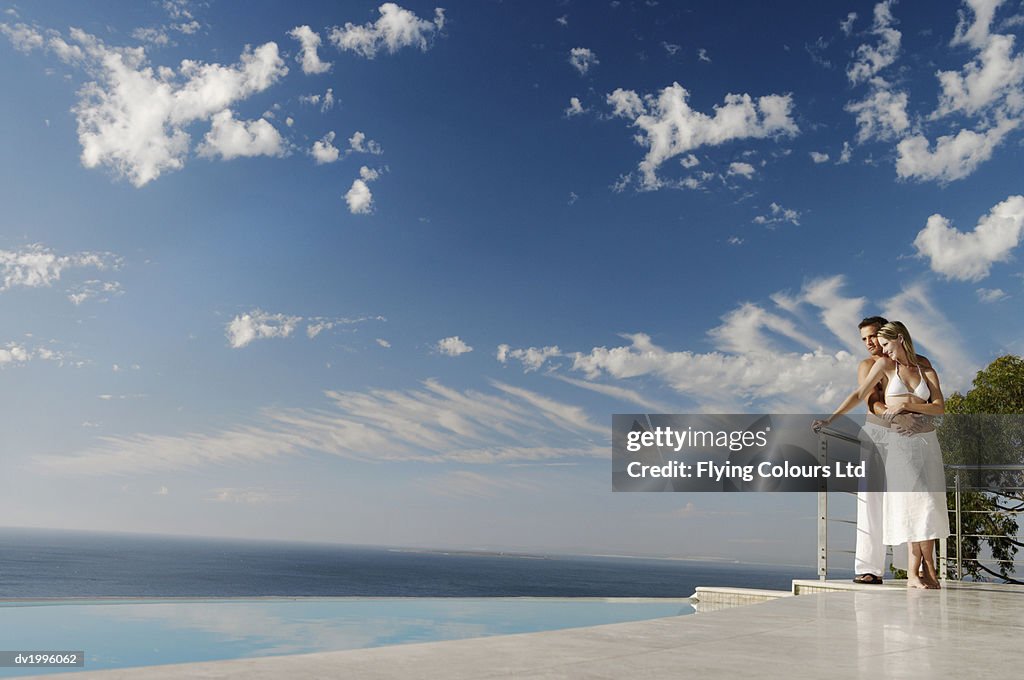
(897, 388)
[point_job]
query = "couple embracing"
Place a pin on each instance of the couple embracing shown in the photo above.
(901, 390)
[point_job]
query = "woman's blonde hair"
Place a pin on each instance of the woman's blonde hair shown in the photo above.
(895, 330)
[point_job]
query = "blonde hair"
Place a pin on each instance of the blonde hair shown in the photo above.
(895, 330)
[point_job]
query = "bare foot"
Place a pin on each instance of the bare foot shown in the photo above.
(915, 582)
(930, 578)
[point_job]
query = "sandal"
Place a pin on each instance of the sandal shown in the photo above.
(869, 579)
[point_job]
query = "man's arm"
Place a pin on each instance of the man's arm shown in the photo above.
(875, 400)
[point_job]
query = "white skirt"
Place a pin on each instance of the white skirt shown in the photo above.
(914, 504)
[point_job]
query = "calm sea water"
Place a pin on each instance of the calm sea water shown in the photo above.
(38, 563)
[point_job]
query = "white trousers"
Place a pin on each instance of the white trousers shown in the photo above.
(869, 557)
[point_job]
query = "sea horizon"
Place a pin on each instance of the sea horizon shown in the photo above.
(62, 563)
(509, 551)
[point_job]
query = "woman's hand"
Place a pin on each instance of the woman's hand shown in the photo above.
(893, 411)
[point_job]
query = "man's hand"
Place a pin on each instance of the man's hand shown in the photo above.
(909, 424)
(818, 424)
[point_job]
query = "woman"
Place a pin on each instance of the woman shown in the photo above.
(914, 510)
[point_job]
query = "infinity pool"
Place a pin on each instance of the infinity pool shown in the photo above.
(125, 633)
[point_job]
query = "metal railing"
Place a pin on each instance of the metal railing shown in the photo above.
(959, 487)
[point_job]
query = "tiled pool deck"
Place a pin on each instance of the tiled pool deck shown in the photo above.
(964, 630)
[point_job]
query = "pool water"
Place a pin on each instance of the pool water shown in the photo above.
(125, 633)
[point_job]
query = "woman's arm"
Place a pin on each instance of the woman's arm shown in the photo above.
(864, 389)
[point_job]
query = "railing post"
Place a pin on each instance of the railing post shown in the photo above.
(822, 512)
(959, 527)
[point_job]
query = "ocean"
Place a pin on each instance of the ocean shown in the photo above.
(50, 563)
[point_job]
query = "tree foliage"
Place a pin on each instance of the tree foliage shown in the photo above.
(985, 427)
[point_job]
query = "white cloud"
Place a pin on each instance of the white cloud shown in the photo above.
(743, 330)
(582, 59)
(671, 48)
(310, 41)
(734, 241)
(838, 313)
(995, 75)
(532, 358)
(881, 115)
(324, 101)
(434, 423)
(975, 33)
(154, 36)
(969, 256)
(554, 411)
(752, 367)
(819, 157)
(16, 354)
(178, 9)
(575, 108)
(318, 325)
(324, 151)
(844, 157)
(990, 295)
(133, 118)
(870, 59)
(702, 55)
(764, 379)
(671, 128)
(846, 25)
(100, 291)
(816, 50)
(689, 161)
(778, 215)
(396, 28)
(742, 169)
(453, 346)
(563, 20)
(954, 157)
(933, 331)
(13, 353)
(257, 324)
(358, 143)
(230, 138)
(359, 197)
(383, 343)
(623, 394)
(38, 266)
(24, 38)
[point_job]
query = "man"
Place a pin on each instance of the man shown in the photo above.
(869, 558)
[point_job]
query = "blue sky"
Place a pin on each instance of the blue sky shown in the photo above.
(381, 274)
